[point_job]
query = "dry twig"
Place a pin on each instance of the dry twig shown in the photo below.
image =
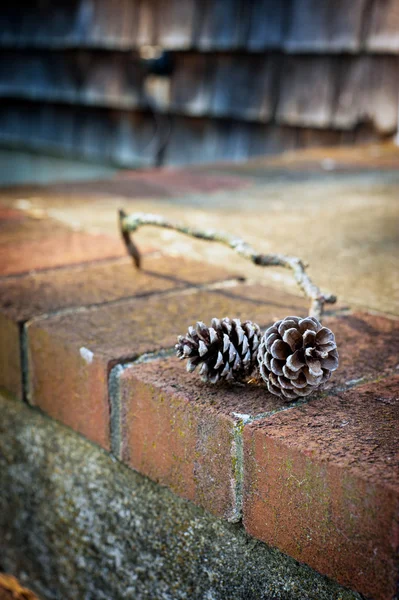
(130, 223)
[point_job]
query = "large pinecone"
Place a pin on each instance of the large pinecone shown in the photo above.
(296, 356)
(225, 350)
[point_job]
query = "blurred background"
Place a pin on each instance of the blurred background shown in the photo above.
(88, 87)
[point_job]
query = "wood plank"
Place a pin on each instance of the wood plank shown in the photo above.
(331, 25)
(383, 30)
(307, 91)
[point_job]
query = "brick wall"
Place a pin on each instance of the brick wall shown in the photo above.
(88, 340)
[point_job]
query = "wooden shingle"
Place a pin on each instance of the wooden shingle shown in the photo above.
(383, 26)
(312, 138)
(222, 24)
(129, 25)
(191, 89)
(266, 24)
(76, 76)
(94, 23)
(272, 139)
(107, 23)
(128, 139)
(146, 25)
(192, 140)
(10, 23)
(135, 138)
(175, 23)
(109, 79)
(240, 141)
(206, 140)
(248, 78)
(330, 25)
(368, 92)
(89, 23)
(38, 74)
(307, 91)
(243, 87)
(234, 139)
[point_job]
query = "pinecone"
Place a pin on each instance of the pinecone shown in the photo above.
(226, 350)
(297, 356)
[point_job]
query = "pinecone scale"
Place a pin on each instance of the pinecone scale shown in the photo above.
(297, 356)
(226, 350)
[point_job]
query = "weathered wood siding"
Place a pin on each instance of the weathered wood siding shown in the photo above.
(249, 77)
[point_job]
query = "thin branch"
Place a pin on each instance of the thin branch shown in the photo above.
(130, 223)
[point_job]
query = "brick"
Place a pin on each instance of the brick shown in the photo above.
(99, 282)
(368, 347)
(322, 484)
(10, 356)
(162, 413)
(181, 432)
(27, 228)
(87, 344)
(25, 297)
(35, 244)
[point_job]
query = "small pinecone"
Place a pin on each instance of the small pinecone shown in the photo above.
(296, 356)
(226, 350)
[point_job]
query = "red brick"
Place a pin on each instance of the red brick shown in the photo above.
(368, 346)
(36, 244)
(322, 484)
(180, 432)
(28, 296)
(10, 356)
(163, 412)
(63, 382)
(27, 228)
